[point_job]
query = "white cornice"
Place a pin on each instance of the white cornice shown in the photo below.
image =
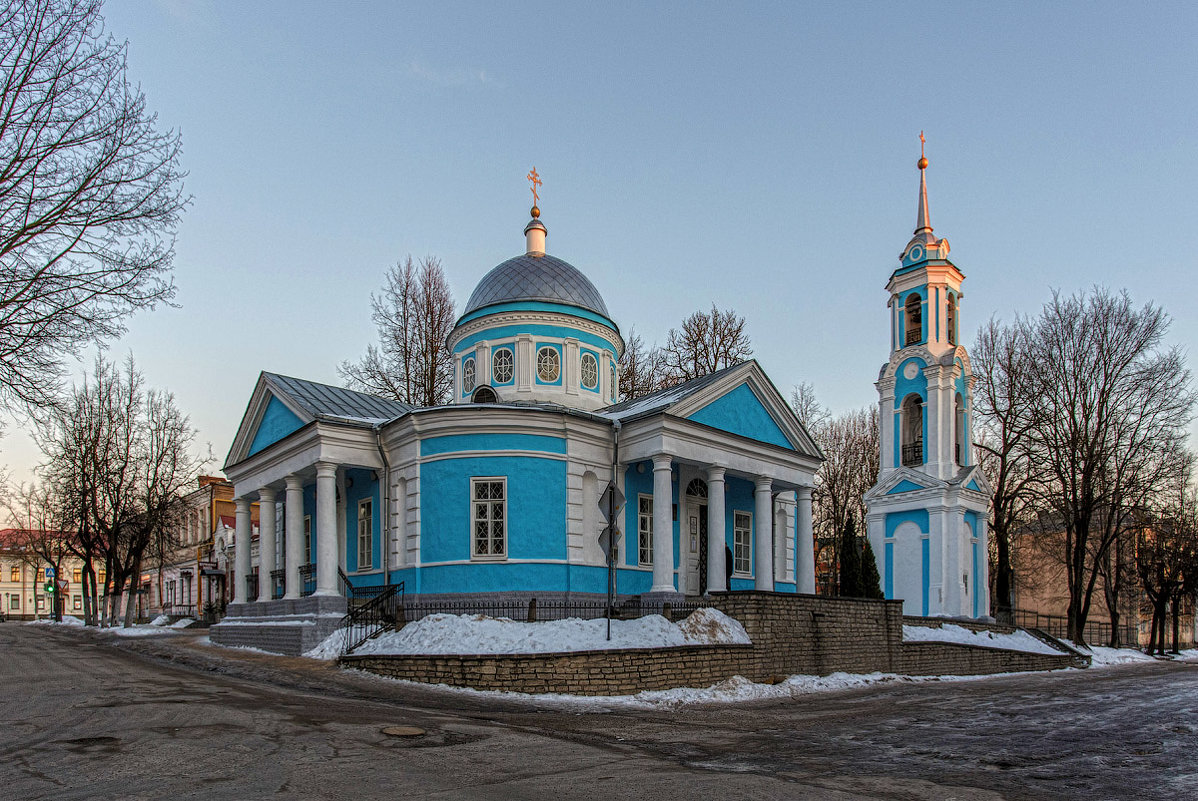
(505, 318)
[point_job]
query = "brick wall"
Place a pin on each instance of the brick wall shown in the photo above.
(792, 634)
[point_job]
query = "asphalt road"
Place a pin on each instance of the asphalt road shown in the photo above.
(84, 716)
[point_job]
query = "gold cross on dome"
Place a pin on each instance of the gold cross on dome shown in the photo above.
(921, 141)
(535, 180)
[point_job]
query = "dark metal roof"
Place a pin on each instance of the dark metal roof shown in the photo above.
(322, 400)
(663, 398)
(537, 277)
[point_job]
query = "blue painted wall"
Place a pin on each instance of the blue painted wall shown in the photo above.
(364, 486)
(925, 546)
(888, 569)
(277, 422)
(917, 516)
(741, 412)
(903, 387)
(433, 446)
(904, 486)
(536, 509)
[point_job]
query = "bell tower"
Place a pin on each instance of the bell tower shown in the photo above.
(926, 516)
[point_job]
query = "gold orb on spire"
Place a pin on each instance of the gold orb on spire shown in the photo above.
(535, 212)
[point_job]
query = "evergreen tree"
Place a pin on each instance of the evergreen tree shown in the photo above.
(871, 582)
(850, 561)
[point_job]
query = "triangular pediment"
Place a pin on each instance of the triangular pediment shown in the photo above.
(270, 416)
(902, 481)
(745, 402)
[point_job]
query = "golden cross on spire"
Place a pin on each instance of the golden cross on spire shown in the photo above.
(921, 142)
(535, 180)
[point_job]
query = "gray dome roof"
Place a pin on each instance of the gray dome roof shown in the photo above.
(536, 277)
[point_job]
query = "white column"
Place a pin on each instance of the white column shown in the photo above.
(326, 529)
(933, 446)
(763, 546)
(983, 590)
(295, 536)
(266, 541)
(241, 560)
(955, 566)
(717, 568)
(663, 527)
(875, 529)
(886, 421)
(805, 558)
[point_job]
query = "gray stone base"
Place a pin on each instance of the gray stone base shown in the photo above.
(289, 627)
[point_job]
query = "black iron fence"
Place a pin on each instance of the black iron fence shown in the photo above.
(307, 579)
(278, 584)
(913, 454)
(372, 611)
(533, 609)
(1096, 632)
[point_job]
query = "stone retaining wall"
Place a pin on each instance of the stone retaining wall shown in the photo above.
(792, 634)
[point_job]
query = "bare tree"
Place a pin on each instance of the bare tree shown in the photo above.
(41, 535)
(705, 343)
(1002, 365)
(414, 315)
(642, 369)
(90, 193)
(122, 455)
(807, 407)
(1167, 561)
(1109, 408)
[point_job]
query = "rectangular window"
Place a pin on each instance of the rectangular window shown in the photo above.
(742, 543)
(365, 535)
(78, 602)
(488, 502)
(14, 602)
(644, 530)
(41, 602)
(14, 574)
(77, 575)
(307, 539)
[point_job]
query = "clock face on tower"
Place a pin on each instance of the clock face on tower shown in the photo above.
(910, 371)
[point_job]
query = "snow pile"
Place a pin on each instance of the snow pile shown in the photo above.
(182, 623)
(948, 632)
(738, 688)
(1101, 656)
(67, 620)
(479, 634)
(161, 620)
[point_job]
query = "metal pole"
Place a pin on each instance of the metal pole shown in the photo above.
(612, 527)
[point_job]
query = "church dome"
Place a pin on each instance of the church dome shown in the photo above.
(537, 277)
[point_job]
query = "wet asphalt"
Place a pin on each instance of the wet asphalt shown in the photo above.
(86, 716)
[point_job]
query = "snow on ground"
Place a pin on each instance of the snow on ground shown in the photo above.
(479, 634)
(1101, 656)
(948, 632)
(67, 620)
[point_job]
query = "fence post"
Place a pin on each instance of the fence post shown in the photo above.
(532, 610)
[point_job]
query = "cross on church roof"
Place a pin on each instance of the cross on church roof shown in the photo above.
(535, 180)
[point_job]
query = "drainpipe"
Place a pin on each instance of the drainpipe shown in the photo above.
(385, 495)
(611, 521)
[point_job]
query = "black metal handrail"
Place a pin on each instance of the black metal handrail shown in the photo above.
(913, 453)
(347, 589)
(278, 584)
(914, 335)
(375, 611)
(307, 579)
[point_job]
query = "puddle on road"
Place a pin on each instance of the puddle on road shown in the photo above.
(91, 745)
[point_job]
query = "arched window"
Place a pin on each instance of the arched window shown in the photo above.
(912, 430)
(914, 319)
(697, 488)
(959, 430)
(951, 319)
(590, 371)
(501, 365)
(548, 365)
(468, 375)
(485, 394)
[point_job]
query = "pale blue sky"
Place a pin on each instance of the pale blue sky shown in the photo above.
(761, 156)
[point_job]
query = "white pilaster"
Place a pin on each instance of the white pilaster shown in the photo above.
(570, 366)
(663, 526)
(326, 529)
(805, 558)
(525, 358)
(241, 561)
(763, 546)
(983, 591)
(266, 542)
(294, 510)
(717, 567)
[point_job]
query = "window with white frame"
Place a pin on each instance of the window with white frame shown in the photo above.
(468, 375)
(549, 364)
(742, 543)
(644, 530)
(78, 601)
(14, 602)
(502, 365)
(307, 539)
(15, 573)
(488, 518)
(365, 535)
(590, 371)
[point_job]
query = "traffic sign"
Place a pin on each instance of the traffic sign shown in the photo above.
(49, 572)
(605, 500)
(605, 539)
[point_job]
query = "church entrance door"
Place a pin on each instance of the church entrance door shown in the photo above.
(702, 508)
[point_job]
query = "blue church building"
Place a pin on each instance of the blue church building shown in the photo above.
(498, 491)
